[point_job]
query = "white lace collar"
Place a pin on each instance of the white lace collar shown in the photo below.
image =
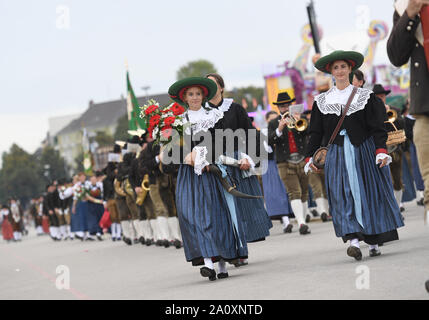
(203, 119)
(334, 100)
(224, 107)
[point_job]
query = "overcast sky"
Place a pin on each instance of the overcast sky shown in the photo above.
(58, 55)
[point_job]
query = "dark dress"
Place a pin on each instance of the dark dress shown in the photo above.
(360, 194)
(252, 212)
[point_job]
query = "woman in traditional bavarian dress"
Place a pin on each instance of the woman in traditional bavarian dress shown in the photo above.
(209, 225)
(252, 212)
(357, 180)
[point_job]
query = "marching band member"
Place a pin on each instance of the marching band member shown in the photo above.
(275, 194)
(396, 152)
(290, 155)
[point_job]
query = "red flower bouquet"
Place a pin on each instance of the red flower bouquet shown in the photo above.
(161, 122)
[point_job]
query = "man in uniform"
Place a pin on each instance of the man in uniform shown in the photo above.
(405, 43)
(396, 152)
(289, 147)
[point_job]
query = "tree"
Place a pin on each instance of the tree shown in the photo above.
(121, 132)
(249, 97)
(19, 176)
(103, 139)
(198, 68)
(51, 165)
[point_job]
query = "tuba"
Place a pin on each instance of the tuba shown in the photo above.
(145, 186)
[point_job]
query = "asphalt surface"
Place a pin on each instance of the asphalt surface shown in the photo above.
(285, 267)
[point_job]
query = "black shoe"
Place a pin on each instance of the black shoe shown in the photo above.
(374, 253)
(354, 252)
(304, 229)
(421, 202)
(208, 273)
(159, 243)
(402, 217)
(222, 275)
(113, 239)
(127, 241)
(240, 263)
(136, 241)
(79, 237)
(99, 238)
(427, 286)
(166, 244)
(402, 209)
(307, 218)
(324, 217)
(90, 239)
(177, 244)
(314, 213)
(288, 228)
(149, 242)
(142, 240)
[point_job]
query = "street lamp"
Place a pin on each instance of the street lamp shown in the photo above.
(146, 89)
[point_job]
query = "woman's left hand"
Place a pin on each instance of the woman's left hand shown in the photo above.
(383, 162)
(244, 164)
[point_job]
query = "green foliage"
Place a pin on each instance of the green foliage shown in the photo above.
(198, 68)
(103, 139)
(249, 94)
(121, 132)
(19, 176)
(51, 165)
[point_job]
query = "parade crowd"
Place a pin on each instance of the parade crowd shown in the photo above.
(213, 209)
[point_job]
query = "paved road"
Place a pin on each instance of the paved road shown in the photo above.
(283, 267)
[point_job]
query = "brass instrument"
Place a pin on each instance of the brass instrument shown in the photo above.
(395, 137)
(129, 189)
(145, 186)
(392, 115)
(118, 188)
(300, 125)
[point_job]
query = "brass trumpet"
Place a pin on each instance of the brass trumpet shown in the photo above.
(145, 186)
(300, 125)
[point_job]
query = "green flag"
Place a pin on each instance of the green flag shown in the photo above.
(134, 121)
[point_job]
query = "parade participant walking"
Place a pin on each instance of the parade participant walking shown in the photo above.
(109, 192)
(95, 208)
(358, 182)
(210, 227)
(396, 152)
(252, 212)
(406, 44)
(17, 216)
(275, 194)
(411, 156)
(79, 223)
(6, 226)
(289, 144)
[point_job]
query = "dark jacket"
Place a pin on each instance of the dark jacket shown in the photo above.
(361, 125)
(403, 45)
(281, 144)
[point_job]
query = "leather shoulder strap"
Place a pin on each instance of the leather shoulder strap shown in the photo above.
(346, 109)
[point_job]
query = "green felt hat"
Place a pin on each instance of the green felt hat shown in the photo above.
(177, 90)
(355, 59)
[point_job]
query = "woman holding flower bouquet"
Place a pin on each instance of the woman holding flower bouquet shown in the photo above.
(209, 225)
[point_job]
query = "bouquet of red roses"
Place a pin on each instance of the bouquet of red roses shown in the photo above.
(162, 121)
